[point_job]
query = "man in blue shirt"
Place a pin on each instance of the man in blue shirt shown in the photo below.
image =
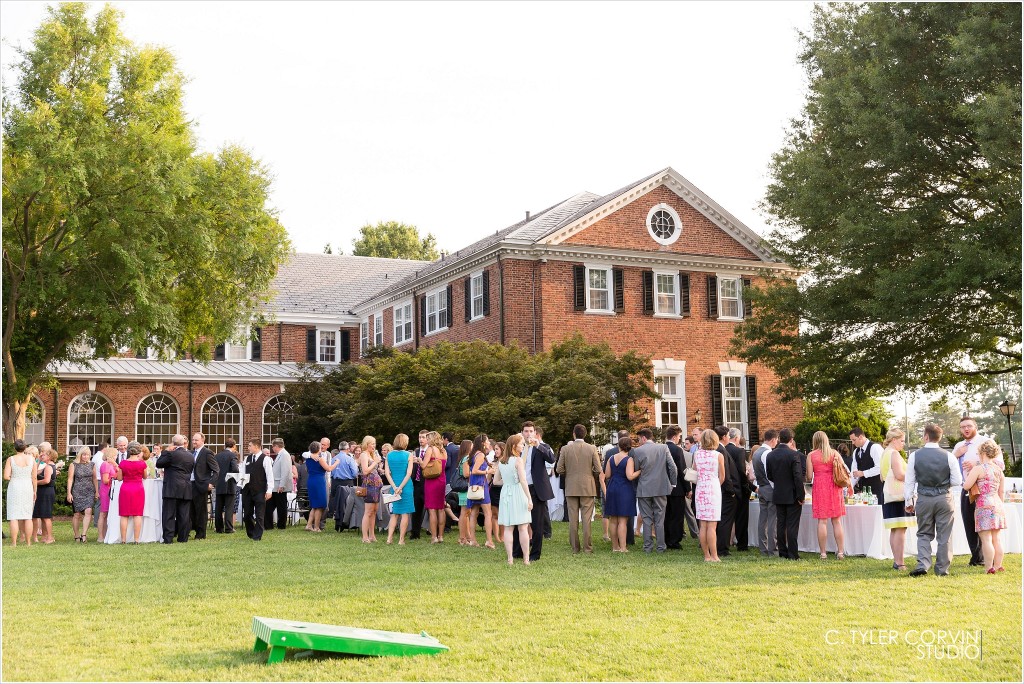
(342, 476)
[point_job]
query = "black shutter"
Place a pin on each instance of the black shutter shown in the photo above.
(218, 353)
(311, 344)
(753, 427)
(469, 297)
(746, 301)
(579, 284)
(257, 345)
(684, 293)
(487, 293)
(717, 415)
(648, 291)
(620, 295)
(346, 345)
(448, 323)
(144, 354)
(423, 316)
(712, 297)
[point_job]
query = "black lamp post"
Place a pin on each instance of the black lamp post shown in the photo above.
(1008, 408)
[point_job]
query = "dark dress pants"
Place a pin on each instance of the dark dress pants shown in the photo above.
(724, 529)
(743, 521)
(224, 511)
(253, 511)
(279, 503)
(973, 540)
(417, 516)
(675, 521)
(175, 519)
(537, 524)
(787, 517)
(200, 514)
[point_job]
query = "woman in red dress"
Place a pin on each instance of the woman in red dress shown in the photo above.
(826, 498)
(131, 500)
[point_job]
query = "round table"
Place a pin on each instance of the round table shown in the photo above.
(152, 527)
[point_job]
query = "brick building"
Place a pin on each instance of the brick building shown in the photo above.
(656, 266)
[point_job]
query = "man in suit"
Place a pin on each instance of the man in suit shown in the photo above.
(675, 506)
(258, 490)
(451, 465)
(283, 484)
(417, 486)
(783, 468)
(535, 455)
(730, 494)
(742, 518)
(932, 476)
(581, 466)
(204, 475)
(177, 464)
(224, 504)
(658, 475)
(766, 532)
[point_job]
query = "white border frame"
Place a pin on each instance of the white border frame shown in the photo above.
(672, 367)
(676, 285)
(661, 206)
(337, 345)
(241, 416)
(174, 401)
(67, 428)
(739, 291)
(731, 369)
(472, 297)
(587, 268)
(448, 307)
(412, 319)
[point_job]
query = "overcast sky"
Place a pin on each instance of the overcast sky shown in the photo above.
(459, 117)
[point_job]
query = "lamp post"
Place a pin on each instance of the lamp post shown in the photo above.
(1008, 408)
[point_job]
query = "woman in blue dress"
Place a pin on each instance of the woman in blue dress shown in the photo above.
(480, 471)
(399, 462)
(317, 466)
(620, 499)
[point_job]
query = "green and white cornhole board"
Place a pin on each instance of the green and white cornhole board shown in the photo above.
(277, 635)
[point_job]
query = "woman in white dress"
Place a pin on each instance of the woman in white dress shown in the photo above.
(516, 502)
(710, 466)
(20, 471)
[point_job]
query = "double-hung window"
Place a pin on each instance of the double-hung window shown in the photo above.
(666, 294)
(238, 348)
(437, 311)
(669, 386)
(599, 290)
(730, 302)
(403, 323)
(378, 330)
(476, 284)
(364, 337)
(327, 346)
(732, 402)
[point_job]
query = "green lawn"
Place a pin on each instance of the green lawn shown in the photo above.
(183, 612)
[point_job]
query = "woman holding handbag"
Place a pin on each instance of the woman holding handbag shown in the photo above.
(369, 464)
(479, 493)
(435, 460)
(894, 470)
(826, 496)
(400, 461)
(465, 525)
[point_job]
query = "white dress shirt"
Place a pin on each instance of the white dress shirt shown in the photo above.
(910, 482)
(971, 455)
(875, 453)
(763, 456)
(268, 468)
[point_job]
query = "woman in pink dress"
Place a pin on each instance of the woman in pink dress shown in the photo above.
(826, 499)
(131, 500)
(433, 489)
(108, 471)
(989, 515)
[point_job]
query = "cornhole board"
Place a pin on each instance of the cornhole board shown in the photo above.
(278, 635)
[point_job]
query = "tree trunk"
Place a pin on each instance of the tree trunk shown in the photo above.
(14, 418)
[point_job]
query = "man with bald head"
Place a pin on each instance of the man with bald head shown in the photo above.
(177, 464)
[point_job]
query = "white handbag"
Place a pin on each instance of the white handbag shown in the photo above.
(475, 493)
(690, 475)
(388, 496)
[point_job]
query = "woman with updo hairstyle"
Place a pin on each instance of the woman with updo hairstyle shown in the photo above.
(620, 497)
(989, 515)
(131, 499)
(894, 515)
(108, 473)
(317, 465)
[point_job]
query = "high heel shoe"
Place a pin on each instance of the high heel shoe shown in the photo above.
(840, 556)
(824, 556)
(990, 571)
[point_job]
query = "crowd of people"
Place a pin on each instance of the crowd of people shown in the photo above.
(702, 482)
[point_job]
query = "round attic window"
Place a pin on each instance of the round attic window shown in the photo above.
(663, 224)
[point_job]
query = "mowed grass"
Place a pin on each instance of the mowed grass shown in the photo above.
(184, 612)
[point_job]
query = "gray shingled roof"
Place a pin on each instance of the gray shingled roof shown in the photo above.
(332, 284)
(252, 371)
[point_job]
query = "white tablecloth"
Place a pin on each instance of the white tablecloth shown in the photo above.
(866, 534)
(152, 527)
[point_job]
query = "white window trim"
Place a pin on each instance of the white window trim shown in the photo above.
(440, 328)
(228, 344)
(241, 411)
(676, 287)
(378, 329)
(675, 367)
(67, 416)
(177, 407)
(675, 217)
(472, 297)
(337, 345)
(394, 325)
(745, 422)
(610, 311)
(364, 337)
(42, 418)
(739, 291)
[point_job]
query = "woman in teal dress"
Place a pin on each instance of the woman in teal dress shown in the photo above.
(516, 502)
(399, 461)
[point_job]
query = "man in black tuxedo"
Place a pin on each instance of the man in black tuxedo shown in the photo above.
(784, 468)
(731, 490)
(675, 507)
(742, 518)
(417, 487)
(535, 455)
(177, 464)
(204, 475)
(224, 505)
(258, 490)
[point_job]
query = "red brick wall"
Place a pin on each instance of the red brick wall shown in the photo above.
(627, 229)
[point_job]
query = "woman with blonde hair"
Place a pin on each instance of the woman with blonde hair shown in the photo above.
(399, 461)
(989, 515)
(516, 502)
(709, 463)
(826, 498)
(46, 494)
(433, 488)
(20, 470)
(108, 471)
(465, 524)
(369, 468)
(81, 492)
(894, 470)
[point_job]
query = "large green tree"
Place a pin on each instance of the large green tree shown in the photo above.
(394, 240)
(117, 232)
(898, 194)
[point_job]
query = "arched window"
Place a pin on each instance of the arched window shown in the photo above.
(221, 418)
(90, 421)
(35, 420)
(156, 419)
(276, 411)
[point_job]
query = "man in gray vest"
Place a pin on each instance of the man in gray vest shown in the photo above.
(658, 475)
(932, 477)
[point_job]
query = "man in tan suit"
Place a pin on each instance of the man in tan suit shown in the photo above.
(581, 465)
